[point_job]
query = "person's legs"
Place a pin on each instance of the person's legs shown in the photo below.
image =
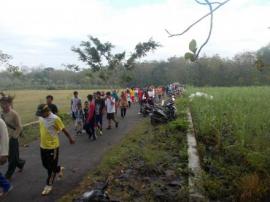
(109, 117)
(13, 159)
(141, 104)
(88, 130)
(80, 127)
(122, 112)
(73, 116)
(92, 129)
(114, 120)
(49, 159)
(53, 167)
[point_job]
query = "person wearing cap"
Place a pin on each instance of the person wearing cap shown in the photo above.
(50, 126)
(4, 145)
(13, 122)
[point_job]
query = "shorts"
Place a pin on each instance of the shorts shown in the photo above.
(98, 119)
(73, 115)
(110, 116)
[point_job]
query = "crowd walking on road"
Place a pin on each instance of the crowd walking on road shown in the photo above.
(88, 115)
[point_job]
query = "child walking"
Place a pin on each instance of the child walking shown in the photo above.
(80, 119)
(50, 126)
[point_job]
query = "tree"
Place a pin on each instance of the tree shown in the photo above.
(4, 58)
(195, 52)
(263, 58)
(99, 57)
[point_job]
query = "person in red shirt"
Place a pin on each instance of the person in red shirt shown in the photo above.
(90, 121)
(140, 97)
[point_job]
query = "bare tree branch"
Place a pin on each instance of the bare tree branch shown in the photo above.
(202, 3)
(200, 19)
(210, 29)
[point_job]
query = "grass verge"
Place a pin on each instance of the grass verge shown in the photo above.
(232, 131)
(150, 164)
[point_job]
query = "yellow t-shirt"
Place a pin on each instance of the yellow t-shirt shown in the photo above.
(50, 127)
(132, 93)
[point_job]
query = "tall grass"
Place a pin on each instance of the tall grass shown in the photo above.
(233, 129)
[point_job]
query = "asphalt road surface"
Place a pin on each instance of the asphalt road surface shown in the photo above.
(77, 159)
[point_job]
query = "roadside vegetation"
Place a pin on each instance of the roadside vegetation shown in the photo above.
(232, 131)
(150, 164)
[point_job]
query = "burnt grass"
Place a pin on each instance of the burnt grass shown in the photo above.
(151, 164)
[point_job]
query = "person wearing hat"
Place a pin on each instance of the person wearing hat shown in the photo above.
(13, 122)
(50, 126)
(4, 144)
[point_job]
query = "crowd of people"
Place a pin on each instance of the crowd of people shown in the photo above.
(88, 116)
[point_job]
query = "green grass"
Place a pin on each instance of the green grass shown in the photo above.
(26, 101)
(233, 131)
(150, 151)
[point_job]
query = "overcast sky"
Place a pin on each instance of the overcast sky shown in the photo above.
(38, 32)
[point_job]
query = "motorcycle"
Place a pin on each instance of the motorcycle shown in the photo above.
(146, 109)
(95, 195)
(163, 114)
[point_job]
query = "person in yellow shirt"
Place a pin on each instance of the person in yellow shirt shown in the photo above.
(132, 95)
(50, 126)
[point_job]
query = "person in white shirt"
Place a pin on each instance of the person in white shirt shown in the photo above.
(4, 148)
(110, 108)
(74, 104)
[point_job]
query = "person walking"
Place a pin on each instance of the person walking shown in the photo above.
(99, 110)
(4, 149)
(110, 108)
(79, 119)
(123, 104)
(90, 121)
(53, 107)
(128, 98)
(13, 122)
(140, 99)
(74, 104)
(85, 111)
(116, 98)
(132, 95)
(50, 126)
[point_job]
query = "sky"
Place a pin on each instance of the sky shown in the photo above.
(42, 32)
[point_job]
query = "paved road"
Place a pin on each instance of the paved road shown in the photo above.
(77, 159)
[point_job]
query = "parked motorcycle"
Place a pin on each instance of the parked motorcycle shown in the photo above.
(147, 109)
(163, 114)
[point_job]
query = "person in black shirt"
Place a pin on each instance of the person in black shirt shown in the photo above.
(99, 109)
(52, 107)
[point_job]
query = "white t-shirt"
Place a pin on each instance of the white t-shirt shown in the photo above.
(74, 103)
(4, 140)
(151, 93)
(110, 105)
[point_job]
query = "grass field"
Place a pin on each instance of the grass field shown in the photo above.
(26, 101)
(233, 131)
